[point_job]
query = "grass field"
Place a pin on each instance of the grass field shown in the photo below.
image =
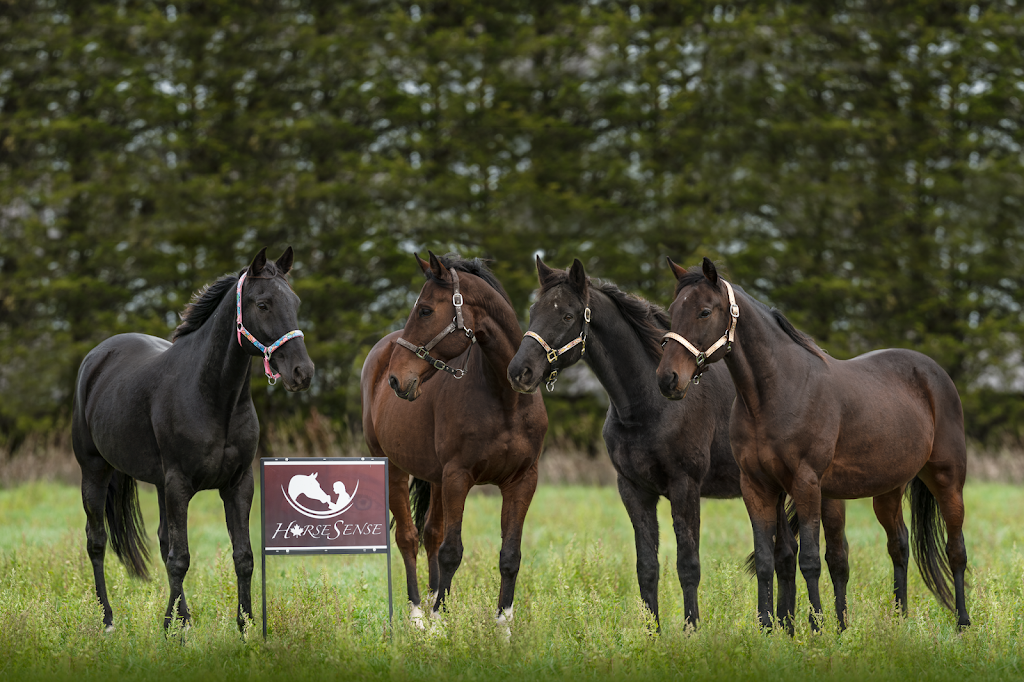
(577, 612)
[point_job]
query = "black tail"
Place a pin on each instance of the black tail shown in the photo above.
(125, 526)
(794, 525)
(928, 540)
(419, 500)
(419, 497)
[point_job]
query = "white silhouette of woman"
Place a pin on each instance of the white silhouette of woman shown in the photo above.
(343, 497)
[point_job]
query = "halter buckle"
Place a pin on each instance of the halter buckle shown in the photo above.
(421, 353)
(734, 310)
(586, 315)
(552, 355)
(701, 359)
(696, 379)
(550, 381)
(457, 299)
(438, 364)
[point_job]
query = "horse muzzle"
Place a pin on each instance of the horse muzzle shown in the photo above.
(522, 377)
(410, 391)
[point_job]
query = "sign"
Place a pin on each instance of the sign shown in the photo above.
(324, 505)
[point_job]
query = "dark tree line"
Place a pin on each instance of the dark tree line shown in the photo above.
(857, 164)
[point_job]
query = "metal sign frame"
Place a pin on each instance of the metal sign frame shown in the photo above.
(306, 551)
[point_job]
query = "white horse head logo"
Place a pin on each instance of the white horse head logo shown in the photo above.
(309, 486)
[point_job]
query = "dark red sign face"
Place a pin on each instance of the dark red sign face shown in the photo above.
(317, 505)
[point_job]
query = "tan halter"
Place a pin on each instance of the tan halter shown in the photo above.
(553, 354)
(726, 340)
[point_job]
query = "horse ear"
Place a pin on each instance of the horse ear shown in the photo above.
(438, 268)
(677, 270)
(710, 272)
(577, 277)
(258, 263)
(543, 271)
(284, 263)
(424, 265)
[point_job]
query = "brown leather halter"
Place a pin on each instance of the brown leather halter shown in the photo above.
(422, 352)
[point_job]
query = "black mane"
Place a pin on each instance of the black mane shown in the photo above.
(695, 275)
(648, 320)
(475, 266)
(202, 305)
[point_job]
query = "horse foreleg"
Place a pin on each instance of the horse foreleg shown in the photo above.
(837, 553)
(178, 492)
(889, 512)
(94, 498)
(237, 506)
(642, 507)
(762, 504)
(684, 495)
(455, 485)
(785, 566)
(806, 494)
(406, 536)
(515, 501)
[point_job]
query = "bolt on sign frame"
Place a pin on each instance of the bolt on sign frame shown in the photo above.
(324, 505)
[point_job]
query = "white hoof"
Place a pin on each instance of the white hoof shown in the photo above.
(435, 614)
(416, 616)
(504, 623)
(110, 628)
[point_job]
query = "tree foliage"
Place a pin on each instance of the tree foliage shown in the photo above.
(857, 164)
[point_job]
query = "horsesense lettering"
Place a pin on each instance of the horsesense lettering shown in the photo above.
(327, 531)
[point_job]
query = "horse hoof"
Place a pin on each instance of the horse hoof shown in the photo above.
(504, 620)
(416, 617)
(110, 628)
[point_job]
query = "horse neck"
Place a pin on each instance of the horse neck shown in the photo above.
(498, 335)
(758, 355)
(223, 365)
(620, 362)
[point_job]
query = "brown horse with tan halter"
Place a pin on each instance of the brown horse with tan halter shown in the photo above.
(815, 427)
(454, 428)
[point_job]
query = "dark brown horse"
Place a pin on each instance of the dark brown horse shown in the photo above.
(819, 428)
(660, 448)
(454, 428)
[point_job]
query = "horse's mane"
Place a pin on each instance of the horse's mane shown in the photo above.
(695, 275)
(202, 305)
(474, 266)
(647, 320)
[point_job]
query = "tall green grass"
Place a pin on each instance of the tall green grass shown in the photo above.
(577, 611)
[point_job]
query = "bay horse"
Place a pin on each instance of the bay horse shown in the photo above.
(674, 449)
(818, 428)
(453, 428)
(179, 415)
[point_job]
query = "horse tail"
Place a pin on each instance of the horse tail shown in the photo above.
(794, 525)
(419, 496)
(927, 531)
(125, 525)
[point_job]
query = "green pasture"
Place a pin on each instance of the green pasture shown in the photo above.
(577, 610)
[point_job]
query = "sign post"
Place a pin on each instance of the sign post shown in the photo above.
(324, 505)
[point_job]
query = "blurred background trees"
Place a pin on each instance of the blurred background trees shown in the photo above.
(857, 164)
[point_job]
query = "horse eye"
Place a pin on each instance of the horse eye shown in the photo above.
(261, 305)
(705, 312)
(426, 312)
(568, 317)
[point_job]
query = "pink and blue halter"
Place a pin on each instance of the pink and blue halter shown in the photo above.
(266, 350)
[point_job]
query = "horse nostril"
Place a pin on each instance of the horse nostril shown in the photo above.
(299, 375)
(393, 383)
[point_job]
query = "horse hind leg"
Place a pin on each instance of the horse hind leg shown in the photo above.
(94, 499)
(937, 485)
(889, 512)
(433, 534)
(837, 553)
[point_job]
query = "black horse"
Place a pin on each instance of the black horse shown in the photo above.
(179, 415)
(659, 448)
